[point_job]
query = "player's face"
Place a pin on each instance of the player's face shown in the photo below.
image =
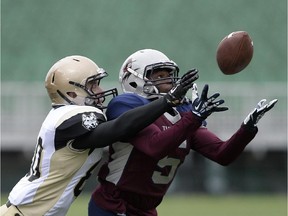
(94, 87)
(162, 81)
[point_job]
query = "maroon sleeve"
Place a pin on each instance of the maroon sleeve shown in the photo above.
(157, 143)
(222, 152)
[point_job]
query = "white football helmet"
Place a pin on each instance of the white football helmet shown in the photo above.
(71, 75)
(137, 68)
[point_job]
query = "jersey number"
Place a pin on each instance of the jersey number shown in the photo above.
(79, 187)
(34, 169)
(35, 173)
(164, 164)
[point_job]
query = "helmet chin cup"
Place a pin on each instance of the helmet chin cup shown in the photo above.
(148, 88)
(151, 90)
(89, 101)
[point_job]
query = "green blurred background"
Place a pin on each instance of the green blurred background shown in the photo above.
(37, 33)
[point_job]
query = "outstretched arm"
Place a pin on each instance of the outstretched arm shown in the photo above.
(157, 143)
(128, 124)
(134, 120)
(222, 152)
(225, 152)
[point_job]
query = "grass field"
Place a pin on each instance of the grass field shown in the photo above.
(205, 205)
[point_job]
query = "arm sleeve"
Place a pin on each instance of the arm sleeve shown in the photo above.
(157, 144)
(222, 152)
(126, 125)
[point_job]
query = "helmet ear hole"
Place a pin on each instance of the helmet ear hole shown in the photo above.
(133, 84)
(72, 94)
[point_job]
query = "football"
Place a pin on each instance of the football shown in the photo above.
(234, 52)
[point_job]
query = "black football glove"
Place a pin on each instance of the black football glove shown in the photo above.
(204, 106)
(177, 94)
(261, 108)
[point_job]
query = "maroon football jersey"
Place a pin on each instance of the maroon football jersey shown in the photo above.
(140, 171)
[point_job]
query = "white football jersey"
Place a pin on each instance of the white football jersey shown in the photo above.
(58, 171)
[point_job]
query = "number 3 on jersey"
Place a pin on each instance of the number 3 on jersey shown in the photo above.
(158, 177)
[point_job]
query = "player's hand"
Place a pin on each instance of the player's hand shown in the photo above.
(194, 90)
(177, 94)
(204, 106)
(256, 114)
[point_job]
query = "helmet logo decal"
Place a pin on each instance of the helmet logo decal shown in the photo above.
(128, 65)
(125, 69)
(89, 121)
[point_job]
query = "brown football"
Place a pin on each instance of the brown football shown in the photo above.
(234, 52)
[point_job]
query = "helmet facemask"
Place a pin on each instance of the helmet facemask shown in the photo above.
(95, 98)
(151, 85)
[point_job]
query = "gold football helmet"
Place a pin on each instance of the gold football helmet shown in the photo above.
(72, 80)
